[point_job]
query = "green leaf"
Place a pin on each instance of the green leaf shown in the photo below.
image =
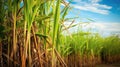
(41, 35)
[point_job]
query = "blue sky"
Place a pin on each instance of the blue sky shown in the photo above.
(105, 13)
(98, 10)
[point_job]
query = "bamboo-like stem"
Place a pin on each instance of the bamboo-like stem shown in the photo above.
(23, 60)
(28, 49)
(14, 30)
(36, 46)
(14, 33)
(55, 30)
(60, 59)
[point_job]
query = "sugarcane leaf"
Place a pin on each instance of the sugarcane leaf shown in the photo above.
(41, 35)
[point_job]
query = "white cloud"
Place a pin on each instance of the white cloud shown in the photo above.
(92, 6)
(95, 1)
(103, 28)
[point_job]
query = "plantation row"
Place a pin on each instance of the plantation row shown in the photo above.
(88, 49)
(31, 35)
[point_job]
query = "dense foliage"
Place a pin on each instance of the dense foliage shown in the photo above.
(31, 36)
